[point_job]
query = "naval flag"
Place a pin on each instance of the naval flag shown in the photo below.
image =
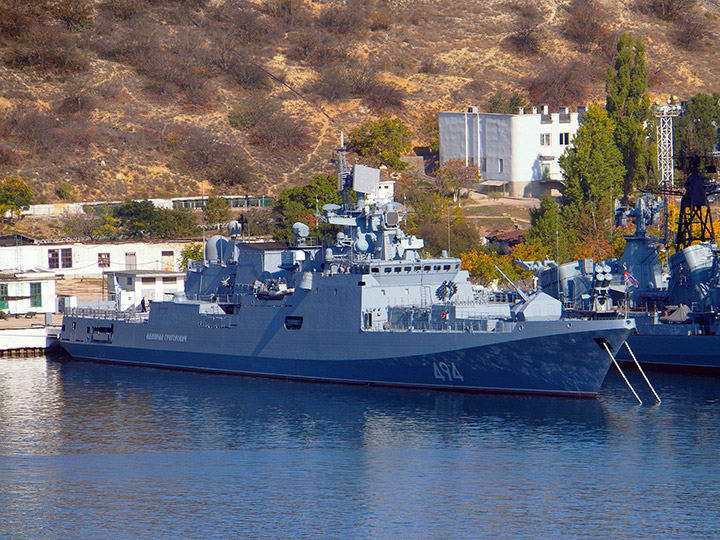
(630, 280)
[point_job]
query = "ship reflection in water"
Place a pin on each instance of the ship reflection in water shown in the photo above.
(97, 451)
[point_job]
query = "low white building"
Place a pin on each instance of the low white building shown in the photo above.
(518, 152)
(133, 286)
(80, 259)
(27, 293)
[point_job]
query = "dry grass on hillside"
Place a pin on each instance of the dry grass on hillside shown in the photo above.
(140, 108)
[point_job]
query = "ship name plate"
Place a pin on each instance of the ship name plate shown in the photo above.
(152, 336)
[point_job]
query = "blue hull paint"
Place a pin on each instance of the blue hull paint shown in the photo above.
(675, 352)
(567, 364)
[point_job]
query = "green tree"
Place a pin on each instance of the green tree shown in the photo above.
(430, 218)
(695, 133)
(629, 107)
(454, 176)
(593, 172)
(382, 142)
(499, 103)
(216, 211)
(549, 232)
(143, 218)
(299, 204)
(15, 196)
(191, 252)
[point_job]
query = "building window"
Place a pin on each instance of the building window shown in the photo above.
(482, 165)
(148, 280)
(169, 280)
(104, 260)
(3, 296)
(544, 139)
(129, 281)
(66, 257)
(36, 295)
(53, 258)
(546, 171)
(501, 165)
(565, 139)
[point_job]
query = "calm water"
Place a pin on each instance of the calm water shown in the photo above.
(94, 451)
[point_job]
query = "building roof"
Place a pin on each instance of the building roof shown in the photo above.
(16, 240)
(145, 273)
(513, 237)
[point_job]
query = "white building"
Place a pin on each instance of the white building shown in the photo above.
(78, 259)
(24, 293)
(516, 151)
(133, 286)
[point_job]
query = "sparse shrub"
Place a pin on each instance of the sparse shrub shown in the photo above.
(429, 66)
(65, 191)
(666, 9)
(334, 83)
(47, 48)
(360, 80)
(384, 96)
(527, 35)
(316, 48)
(75, 14)
(585, 24)
(560, 84)
(7, 155)
(268, 125)
(19, 17)
(280, 132)
(342, 19)
(252, 112)
(78, 100)
(217, 161)
(381, 20)
(125, 9)
(692, 31)
(248, 73)
(35, 128)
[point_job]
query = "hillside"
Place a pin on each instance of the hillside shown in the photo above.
(103, 100)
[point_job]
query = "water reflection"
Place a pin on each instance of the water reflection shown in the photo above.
(99, 451)
(70, 407)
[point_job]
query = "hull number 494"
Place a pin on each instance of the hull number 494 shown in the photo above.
(447, 371)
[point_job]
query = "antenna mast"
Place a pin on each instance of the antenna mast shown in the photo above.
(666, 166)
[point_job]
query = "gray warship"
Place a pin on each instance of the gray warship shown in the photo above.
(365, 308)
(675, 305)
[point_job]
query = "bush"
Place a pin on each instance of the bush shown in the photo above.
(75, 14)
(201, 154)
(342, 19)
(585, 24)
(692, 31)
(668, 10)
(268, 125)
(35, 128)
(125, 9)
(384, 96)
(526, 36)
(47, 48)
(316, 48)
(343, 81)
(560, 84)
(248, 73)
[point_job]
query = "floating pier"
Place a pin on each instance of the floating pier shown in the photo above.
(23, 342)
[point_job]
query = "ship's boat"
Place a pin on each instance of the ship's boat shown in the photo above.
(365, 307)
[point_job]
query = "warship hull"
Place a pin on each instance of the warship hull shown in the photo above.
(539, 357)
(675, 352)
